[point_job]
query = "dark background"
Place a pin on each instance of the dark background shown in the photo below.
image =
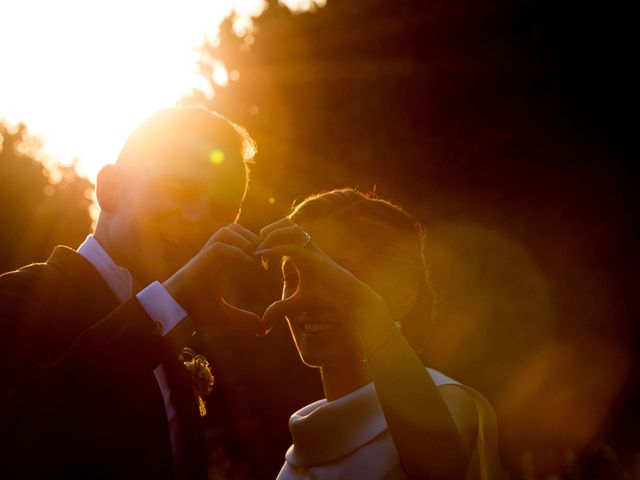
(506, 127)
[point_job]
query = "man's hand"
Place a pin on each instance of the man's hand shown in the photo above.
(197, 285)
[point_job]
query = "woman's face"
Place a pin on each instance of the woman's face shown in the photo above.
(320, 335)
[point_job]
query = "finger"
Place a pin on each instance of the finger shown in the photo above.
(243, 319)
(227, 236)
(290, 278)
(245, 232)
(279, 309)
(298, 254)
(223, 254)
(290, 234)
(283, 222)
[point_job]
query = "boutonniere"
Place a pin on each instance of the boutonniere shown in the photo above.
(200, 374)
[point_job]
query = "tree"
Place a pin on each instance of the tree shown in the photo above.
(37, 212)
(501, 126)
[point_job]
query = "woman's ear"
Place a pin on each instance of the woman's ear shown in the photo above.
(402, 299)
(109, 187)
(400, 294)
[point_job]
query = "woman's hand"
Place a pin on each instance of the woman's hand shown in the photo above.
(197, 285)
(423, 430)
(322, 283)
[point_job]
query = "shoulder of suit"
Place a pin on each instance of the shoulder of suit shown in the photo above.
(47, 279)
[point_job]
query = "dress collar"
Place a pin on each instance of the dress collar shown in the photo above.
(326, 431)
(118, 278)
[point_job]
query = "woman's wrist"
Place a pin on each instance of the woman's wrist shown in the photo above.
(376, 326)
(372, 353)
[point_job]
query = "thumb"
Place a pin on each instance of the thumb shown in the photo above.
(281, 308)
(244, 319)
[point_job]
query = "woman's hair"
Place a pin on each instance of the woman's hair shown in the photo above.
(386, 231)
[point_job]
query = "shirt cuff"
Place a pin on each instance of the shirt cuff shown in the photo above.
(161, 307)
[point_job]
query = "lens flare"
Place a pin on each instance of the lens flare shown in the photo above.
(216, 157)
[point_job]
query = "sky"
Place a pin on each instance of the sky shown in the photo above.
(82, 74)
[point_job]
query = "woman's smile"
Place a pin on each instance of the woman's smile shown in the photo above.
(319, 327)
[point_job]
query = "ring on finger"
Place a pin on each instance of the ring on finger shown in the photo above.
(307, 239)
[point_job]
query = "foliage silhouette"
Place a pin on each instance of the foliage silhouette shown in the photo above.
(36, 212)
(500, 125)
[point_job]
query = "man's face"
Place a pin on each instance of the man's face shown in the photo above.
(169, 209)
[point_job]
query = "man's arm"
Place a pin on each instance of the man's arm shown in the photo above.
(48, 403)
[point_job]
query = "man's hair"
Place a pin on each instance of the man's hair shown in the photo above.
(169, 125)
(386, 229)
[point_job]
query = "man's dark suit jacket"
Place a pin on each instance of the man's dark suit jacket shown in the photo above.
(78, 395)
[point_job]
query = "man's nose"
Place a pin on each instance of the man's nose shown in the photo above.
(197, 211)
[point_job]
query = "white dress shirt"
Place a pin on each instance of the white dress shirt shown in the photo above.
(156, 301)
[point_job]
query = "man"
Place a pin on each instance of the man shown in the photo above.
(91, 384)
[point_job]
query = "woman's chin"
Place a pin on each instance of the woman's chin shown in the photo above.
(324, 356)
(315, 359)
(323, 344)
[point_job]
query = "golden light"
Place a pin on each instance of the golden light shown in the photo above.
(303, 5)
(216, 157)
(82, 74)
(220, 74)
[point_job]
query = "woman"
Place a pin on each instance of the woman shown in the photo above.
(357, 299)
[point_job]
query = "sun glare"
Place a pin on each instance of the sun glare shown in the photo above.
(220, 74)
(303, 5)
(82, 74)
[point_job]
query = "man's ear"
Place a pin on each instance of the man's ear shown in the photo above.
(109, 188)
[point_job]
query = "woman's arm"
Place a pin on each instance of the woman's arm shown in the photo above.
(424, 431)
(434, 438)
